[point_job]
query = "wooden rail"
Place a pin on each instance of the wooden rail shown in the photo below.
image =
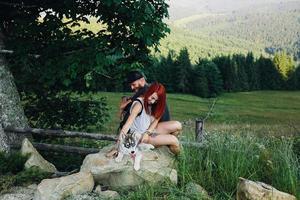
(61, 133)
(95, 136)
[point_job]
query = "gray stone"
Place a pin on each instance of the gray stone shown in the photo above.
(196, 190)
(11, 111)
(98, 189)
(20, 193)
(109, 194)
(156, 166)
(86, 196)
(250, 190)
(35, 158)
(60, 188)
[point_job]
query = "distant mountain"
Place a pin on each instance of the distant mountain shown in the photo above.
(184, 8)
(212, 27)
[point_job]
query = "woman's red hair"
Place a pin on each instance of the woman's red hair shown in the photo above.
(158, 108)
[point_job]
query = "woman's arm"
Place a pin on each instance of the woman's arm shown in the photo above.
(152, 126)
(136, 109)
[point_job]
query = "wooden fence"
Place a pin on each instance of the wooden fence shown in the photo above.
(44, 133)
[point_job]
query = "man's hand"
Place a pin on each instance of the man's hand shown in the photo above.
(124, 102)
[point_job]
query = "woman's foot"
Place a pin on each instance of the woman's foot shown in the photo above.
(175, 149)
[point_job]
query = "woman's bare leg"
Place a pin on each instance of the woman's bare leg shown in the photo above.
(169, 127)
(160, 140)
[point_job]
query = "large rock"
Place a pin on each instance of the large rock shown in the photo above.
(11, 111)
(59, 188)
(35, 158)
(20, 193)
(156, 166)
(250, 190)
(195, 190)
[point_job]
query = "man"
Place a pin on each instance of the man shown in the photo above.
(138, 84)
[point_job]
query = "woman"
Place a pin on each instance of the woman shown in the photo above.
(144, 118)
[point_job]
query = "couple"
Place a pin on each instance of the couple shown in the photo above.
(149, 114)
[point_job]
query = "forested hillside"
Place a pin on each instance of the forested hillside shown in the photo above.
(209, 30)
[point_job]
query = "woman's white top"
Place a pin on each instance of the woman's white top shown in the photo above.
(142, 122)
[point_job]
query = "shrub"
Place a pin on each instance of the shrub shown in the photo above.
(66, 111)
(12, 163)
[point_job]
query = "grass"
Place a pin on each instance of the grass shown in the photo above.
(219, 164)
(242, 140)
(248, 135)
(262, 112)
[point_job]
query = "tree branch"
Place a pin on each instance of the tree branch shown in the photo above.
(5, 51)
(17, 4)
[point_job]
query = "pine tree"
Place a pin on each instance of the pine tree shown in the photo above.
(227, 71)
(168, 72)
(284, 63)
(242, 78)
(251, 72)
(199, 81)
(270, 77)
(183, 70)
(213, 76)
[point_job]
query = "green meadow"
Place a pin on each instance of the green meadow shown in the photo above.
(261, 112)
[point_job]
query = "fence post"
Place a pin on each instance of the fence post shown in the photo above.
(199, 130)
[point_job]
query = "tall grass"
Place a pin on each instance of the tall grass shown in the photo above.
(218, 165)
(224, 158)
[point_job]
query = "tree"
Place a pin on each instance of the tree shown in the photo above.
(182, 71)
(270, 78)
(242, 79)
(213, 76)
(228, 70)
(199, 81)
(251, 72)
(50, 56)
(71, 58)
(293, 82)
(284, 63)
(163, 71)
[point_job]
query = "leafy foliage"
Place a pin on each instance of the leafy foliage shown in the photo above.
(13, 173)
(25, 177)
(55, 52)
(66, 111)
(12, 163)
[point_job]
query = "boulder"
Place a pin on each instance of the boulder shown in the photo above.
(250, 190)
(35, 158)
(98, 189)
(20, 193)
(156, 165)
(196, 191)
(59, 188)
(109, 195)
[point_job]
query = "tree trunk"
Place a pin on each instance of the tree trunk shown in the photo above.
(11, 111)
